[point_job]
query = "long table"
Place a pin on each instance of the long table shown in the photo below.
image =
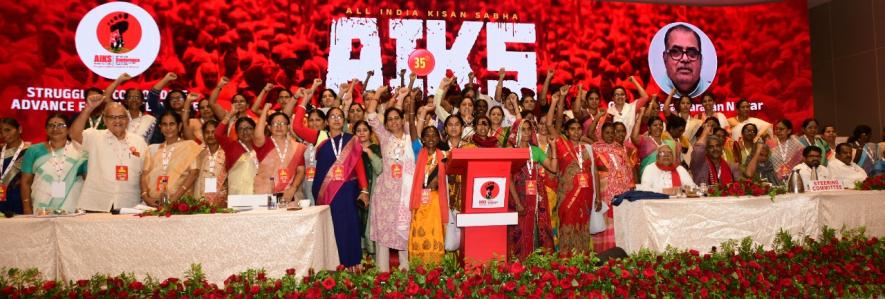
(701, 223)
(71, 248)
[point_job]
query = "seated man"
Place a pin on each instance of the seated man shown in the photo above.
(115, 159)
(845, 170)
(759, 167)
(665, 176)
(811, 169)
(707, 164)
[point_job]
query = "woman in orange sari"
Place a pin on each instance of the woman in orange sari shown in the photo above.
(575, 190)
(284, 166)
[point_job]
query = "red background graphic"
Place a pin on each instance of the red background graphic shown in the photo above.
(763, 49)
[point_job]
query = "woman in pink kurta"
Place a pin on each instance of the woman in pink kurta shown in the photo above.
(389, 213)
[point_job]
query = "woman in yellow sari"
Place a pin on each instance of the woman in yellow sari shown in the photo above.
(169, 168)
(211, 182)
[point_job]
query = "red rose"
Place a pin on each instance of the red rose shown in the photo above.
(168, 214)
(648, 272)
(412, 288)
(183, 207)
(450, 284)
(339, 268)
(290, 271)
(516, 269)
(255, 289)
(82, 283)
(262, 276)
(7, 290)
(136, 285)
(565, 283)
(328, 283)
(48, 285)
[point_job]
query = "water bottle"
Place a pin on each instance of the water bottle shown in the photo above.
(271, 202)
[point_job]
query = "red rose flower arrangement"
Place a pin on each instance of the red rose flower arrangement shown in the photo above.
(872, 183)
(186, 205)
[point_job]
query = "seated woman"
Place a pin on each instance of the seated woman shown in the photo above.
(665, 177)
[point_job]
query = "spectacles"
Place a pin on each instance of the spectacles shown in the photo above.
(336, 117)
(280, 124)
(116, 117)
(676, 53)
(244, 128)
(56, 126)
(176, 99)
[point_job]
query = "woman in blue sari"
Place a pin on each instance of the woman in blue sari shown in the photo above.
(340, 180)
(11, 157)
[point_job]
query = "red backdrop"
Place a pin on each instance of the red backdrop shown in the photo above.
(763, 49)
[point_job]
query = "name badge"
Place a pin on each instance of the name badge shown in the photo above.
(2, 193)
(531, 188)
(122, 172)
(57, 190)
(162, 183)
(425, 196)
(283, 175)
(337, 173)
(396, 170)
(210, 185)
(310, 173)
(583, 182)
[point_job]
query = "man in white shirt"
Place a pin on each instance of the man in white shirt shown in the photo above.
(811, 169)
(845, 170)
(115, 161)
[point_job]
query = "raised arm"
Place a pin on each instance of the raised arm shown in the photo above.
(258, 138)
(308, 134)
(667, 102)
(439, 98)
(542, 98)
(634, 136)
(260, 99)
(499, 88)
(560, 106)
(313, 88)
(552, 130)
(366, 82)
(188, 129)
(109, 91)
(408, 109)
(80, 123)
(643, 96)
(290, 106)
(153, 99)
(372, 118)
(578, 105)
(417, 127)
(402, 77)
(213, 99)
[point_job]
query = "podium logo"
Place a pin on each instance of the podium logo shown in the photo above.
(490, 190)
(116, 38)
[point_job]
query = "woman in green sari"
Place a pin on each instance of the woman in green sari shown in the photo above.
(52, 171)
(649, 142)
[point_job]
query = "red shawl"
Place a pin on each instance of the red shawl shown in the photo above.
(674, 175)
(418, 184)
(723, 168)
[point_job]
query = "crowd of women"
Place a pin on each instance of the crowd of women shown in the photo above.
(378, 157)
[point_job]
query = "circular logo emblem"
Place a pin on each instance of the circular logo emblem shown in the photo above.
(490, 190)
(421, 62)
(116, 38)
(119, 33)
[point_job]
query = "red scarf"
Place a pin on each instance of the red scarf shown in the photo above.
(674, 175)
(485, 142)
(418, 184)
(723, 168)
